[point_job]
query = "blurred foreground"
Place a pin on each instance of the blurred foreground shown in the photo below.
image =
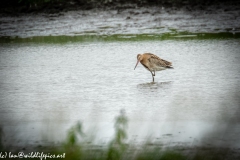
(78, 145)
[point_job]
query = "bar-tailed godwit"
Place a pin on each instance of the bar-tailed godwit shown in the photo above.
(153, 63)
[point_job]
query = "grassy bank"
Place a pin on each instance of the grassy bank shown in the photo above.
(119, 38)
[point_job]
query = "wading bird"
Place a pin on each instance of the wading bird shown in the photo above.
(153, 63)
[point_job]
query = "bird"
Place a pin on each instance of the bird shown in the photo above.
(153, 63)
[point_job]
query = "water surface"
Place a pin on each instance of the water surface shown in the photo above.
(46, 88)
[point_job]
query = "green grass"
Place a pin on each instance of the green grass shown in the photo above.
(119, 38)
(78, 146)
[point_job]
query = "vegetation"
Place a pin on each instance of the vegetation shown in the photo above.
(112, 38)
(78, 146)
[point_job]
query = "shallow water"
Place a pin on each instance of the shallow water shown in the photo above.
(45, 89)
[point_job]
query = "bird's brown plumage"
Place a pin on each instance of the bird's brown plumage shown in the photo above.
(153, 63)
(158, 61)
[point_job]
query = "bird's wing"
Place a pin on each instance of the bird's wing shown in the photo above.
(158, 61)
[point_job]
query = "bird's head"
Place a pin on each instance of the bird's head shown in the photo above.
(139, 58)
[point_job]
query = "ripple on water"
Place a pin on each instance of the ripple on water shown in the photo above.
(58, 84)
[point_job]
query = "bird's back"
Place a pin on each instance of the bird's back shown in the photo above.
(156, 63)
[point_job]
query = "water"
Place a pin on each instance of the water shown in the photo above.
(46, 88)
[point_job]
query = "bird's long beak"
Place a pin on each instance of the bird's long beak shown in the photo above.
(136, 64)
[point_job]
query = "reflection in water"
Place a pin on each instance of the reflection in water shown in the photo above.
(155, 85)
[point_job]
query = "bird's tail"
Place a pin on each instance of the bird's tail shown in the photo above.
(169, 67)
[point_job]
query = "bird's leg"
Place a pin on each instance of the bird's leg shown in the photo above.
(152, 76)
(153, 73)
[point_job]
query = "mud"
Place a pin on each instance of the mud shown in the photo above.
(128, 20)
